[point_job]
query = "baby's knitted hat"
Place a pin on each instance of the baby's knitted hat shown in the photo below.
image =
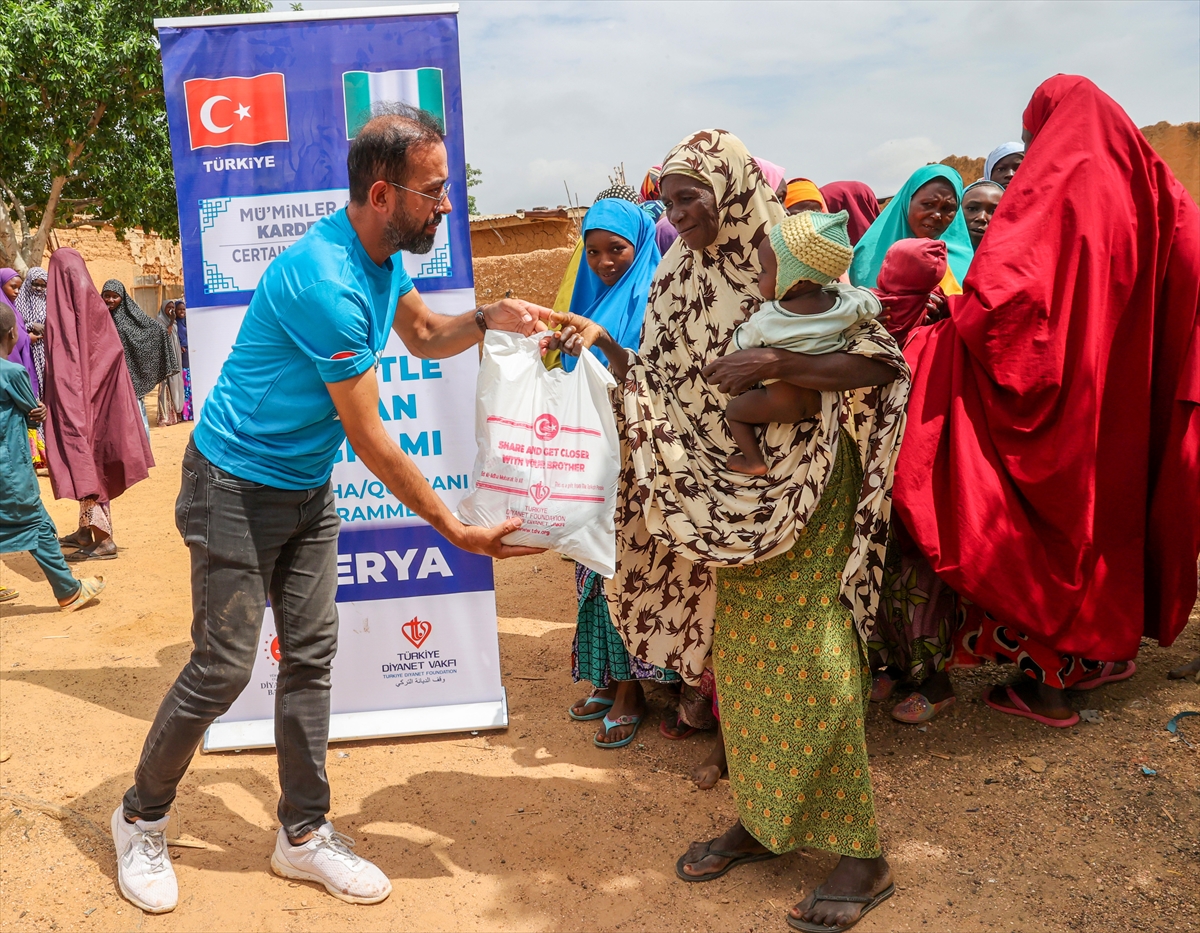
(811, 247)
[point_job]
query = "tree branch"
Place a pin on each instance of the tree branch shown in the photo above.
(77, 147)
(86, 222)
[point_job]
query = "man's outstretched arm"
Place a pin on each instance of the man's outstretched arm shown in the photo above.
(357, 403)
(433, 336)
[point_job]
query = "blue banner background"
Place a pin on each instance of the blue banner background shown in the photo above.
(313, 57)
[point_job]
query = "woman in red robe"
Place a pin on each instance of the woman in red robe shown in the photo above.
(1050, 472)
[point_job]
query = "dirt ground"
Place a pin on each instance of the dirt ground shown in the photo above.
(533, 828)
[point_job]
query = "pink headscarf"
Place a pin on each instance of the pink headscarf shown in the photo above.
(773, 173)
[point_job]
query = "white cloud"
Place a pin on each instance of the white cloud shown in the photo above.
(558, 91)
(892, 162)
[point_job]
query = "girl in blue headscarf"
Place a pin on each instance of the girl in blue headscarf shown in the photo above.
(611, 288)
(926, 207)
(613, 284)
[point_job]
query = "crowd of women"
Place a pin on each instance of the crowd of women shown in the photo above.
(91, 357)
(861, 444)
(990, 450)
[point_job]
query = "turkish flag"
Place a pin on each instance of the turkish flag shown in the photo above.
(236, 111)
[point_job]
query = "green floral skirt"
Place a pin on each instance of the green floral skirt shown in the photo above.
(793, 685)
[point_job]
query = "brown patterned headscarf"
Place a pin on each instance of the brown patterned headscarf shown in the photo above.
(680, 513)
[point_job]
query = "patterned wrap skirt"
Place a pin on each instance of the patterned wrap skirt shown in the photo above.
(793, 682)
(598, 655)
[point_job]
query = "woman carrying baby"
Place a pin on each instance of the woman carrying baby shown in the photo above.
(775, 576)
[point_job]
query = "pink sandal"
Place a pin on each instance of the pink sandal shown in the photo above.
(1107, 676)
(916, 708)
(1024, 711)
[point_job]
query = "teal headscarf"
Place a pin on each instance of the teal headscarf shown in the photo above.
(892, 225)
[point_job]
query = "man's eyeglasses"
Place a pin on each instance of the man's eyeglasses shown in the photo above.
(438, 199)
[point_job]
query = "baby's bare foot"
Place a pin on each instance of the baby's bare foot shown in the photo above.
(740, 463)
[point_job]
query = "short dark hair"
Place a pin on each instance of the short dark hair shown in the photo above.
(8, 319)
(380, 150)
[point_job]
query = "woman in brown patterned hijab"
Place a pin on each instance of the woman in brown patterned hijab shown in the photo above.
(775, 578)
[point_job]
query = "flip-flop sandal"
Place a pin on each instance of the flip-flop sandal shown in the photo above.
(604, 702)
(634, 721)
(89, 589)
(870, 903)
(1107, 676)
(90, 553)
(666, 733)
(735, 859)
(75, 540)
(1024, 711)
(7, 593)
(916, 708)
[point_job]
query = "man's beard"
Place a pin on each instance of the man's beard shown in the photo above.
(403, 232)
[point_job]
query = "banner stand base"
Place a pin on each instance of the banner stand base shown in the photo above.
(376, 724)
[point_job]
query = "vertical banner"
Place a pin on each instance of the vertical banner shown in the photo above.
(262, 109)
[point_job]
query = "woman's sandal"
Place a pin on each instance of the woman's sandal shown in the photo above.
(1107, 676)
(604, 702)
(916, 708)
(688, 730)
(735, 859)
(1021, 709)
(93, 552)
(609, 724)
(77, 539)
(89, 589)
(870, 903)
(7, 593)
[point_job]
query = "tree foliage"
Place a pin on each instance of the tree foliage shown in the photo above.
(83, 125)
(474, 177)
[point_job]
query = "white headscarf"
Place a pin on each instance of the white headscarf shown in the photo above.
(1004, 149)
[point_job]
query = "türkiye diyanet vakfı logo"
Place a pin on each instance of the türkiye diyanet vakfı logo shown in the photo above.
(422, 665)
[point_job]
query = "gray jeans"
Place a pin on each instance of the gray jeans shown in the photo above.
(249, 542)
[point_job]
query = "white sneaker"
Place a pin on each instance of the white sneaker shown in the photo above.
(328, 858)
(144, 871)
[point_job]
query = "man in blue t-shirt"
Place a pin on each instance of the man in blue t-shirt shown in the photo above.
(257, 511)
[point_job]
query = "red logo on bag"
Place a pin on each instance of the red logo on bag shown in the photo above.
(236, 111)
(545, 427)
(416, 631)
(539, 492)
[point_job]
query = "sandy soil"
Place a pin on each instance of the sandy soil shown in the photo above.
(534, 828)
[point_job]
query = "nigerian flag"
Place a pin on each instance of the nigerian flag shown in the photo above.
(418, 87)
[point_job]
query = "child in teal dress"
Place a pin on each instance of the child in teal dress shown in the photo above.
(24, 523)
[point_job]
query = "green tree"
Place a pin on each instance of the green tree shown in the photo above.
(83, 126)
(474, 177)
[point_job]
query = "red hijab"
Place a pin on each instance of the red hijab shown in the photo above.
(95, 442)
(856, 199)
(1051, 466)
(911, 270)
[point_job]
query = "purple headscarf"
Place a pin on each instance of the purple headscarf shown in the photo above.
(23, 352)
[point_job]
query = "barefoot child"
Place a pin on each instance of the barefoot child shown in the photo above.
(24, 522)
(802, 258)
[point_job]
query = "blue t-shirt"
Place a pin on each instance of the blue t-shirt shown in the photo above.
(321, 313)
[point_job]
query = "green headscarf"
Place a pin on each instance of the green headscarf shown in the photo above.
(892, 225)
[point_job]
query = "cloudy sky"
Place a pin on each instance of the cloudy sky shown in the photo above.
(563, 91)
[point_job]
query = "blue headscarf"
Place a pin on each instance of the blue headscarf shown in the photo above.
(892, 225)
(621, 307)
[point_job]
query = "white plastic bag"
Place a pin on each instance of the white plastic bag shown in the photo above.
(548, 452)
